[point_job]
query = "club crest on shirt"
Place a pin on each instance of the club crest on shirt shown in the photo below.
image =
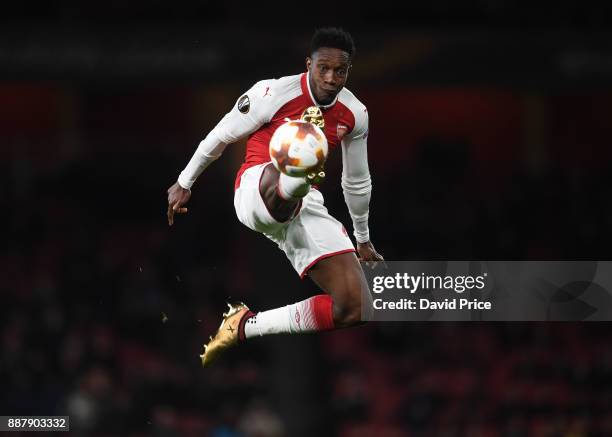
(244, 104)
(341, 131)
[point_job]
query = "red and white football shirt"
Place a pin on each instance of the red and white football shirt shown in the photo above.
(270, 102)
(267, 105)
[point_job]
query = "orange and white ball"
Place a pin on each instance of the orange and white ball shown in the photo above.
(298, 148)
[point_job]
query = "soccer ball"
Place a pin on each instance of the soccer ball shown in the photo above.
(298, 148)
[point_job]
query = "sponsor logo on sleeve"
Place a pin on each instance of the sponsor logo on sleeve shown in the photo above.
(244, 104)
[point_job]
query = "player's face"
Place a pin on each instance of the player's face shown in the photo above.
(328, 69)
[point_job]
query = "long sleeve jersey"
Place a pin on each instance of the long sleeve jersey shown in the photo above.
(266, 106)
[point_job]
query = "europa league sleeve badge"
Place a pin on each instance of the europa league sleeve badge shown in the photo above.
(244, 104)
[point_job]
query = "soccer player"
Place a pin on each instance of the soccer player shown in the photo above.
(289, 210)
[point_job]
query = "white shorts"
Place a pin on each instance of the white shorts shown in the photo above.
(310, 236)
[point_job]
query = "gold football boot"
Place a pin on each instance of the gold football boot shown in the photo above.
(227, 334)
(314, 115)
(316, 177)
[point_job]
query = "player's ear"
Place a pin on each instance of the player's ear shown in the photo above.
(308, 63)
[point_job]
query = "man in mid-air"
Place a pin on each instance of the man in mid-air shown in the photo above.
(289, 210)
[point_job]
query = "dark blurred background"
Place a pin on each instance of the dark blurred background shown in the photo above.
(490, 130)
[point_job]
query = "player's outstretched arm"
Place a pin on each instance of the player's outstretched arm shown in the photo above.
(357, 186)
(247, 115)
(177, 198)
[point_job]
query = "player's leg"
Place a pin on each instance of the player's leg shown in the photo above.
(342, 277)
(281, 206)
(282, 194)
(314, 242)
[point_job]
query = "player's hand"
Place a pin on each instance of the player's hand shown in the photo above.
(177, 197)
(368, 253)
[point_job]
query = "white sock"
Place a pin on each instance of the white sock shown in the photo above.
(313, 314)
(292, 188)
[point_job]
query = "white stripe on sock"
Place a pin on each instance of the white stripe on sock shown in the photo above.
(291, 319)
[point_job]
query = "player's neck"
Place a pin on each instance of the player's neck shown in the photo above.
(323, 103)
(315, 99)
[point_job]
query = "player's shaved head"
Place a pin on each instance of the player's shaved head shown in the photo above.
(332, 37)
(331, 52)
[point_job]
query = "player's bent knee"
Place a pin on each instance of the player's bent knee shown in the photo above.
(346, 314)
(348, 301)
(347, 309)
(342, 278)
